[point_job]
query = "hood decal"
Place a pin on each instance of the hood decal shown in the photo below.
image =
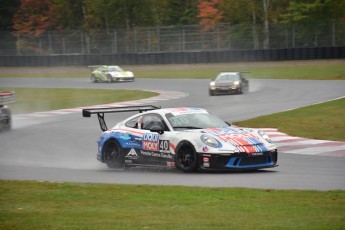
(239, 138)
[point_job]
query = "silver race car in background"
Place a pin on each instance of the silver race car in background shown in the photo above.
(187, 138)
(104, 73)
(229, 83)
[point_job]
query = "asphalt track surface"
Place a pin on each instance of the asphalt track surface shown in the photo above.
(61, 146)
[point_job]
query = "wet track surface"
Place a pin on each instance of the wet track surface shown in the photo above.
(61, 146)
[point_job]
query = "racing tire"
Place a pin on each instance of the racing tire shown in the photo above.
(93, 78)
(113, 156)
(5, 119)
(109, 78)
(186, 158)
(246, 89)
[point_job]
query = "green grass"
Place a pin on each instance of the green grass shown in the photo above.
(44, 205)
(329, 72)
(310, 70)
(322, 121)
(39, 99)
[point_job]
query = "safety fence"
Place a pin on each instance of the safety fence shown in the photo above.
(175, 57)
(192, 38)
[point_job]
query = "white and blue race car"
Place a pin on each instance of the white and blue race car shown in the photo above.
(190, 139)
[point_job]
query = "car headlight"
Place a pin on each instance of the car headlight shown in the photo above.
(264, 136)
(212, 83)
(209, 141)
(236, 82)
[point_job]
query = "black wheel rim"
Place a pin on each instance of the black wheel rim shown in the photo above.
(112, 155)
(186, 157)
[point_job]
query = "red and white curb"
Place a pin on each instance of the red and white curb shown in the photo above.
(163, 96)
(305, 146)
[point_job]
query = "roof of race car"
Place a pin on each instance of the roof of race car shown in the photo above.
(181, 110)
(95, 67)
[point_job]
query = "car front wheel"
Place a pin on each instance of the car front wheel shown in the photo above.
(109, 78)
(93, 78)
(186, 157)
(113, 156)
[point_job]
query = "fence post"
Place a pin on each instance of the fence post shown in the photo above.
(40, 45)
(183, 40)
(218, 38)
(149, 41)
(333, 33)
(293, 36)
(82, 45)
(17, 45)
(63, 45)
(286, 38)
(50, 43)
(135, 40)
(115, 42)
(229, 35)
(158, 40)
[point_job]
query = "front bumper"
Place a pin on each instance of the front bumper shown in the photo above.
(225, 89)
(240, 161)
(123, 79)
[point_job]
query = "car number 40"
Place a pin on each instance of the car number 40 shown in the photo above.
(163, 145)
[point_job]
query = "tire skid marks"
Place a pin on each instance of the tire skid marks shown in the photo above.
(299, 145)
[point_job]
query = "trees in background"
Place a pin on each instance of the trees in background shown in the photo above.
(254, 17)
(40, 15)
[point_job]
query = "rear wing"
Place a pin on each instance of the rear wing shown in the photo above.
(101, 111)
(93, 67)
(7, 98)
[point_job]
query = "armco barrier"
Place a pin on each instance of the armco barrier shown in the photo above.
(175, 58)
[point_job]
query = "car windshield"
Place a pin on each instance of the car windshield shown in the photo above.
(114, 69)
(195, 121)
(228, 77)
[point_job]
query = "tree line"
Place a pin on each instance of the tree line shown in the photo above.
(30, 20)
(37, 16)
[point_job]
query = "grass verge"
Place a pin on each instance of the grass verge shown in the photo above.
(44, 205)
(40, 99)
(311, 70)
(314, 72)
(322, 121)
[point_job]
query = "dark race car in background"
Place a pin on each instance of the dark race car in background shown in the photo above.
(229, 83)
(186, 138)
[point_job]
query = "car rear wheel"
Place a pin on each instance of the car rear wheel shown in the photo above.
(113, 156)
(186, 157)
(5, 119)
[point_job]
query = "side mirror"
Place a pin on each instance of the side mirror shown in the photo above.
(157, 129)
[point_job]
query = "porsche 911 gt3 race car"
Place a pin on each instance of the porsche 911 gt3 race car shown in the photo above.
(110, 74)
(186, 138)
(5, 112)
(229, 83)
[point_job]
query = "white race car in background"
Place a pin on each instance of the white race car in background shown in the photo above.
(186, 138)
(112, 73)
